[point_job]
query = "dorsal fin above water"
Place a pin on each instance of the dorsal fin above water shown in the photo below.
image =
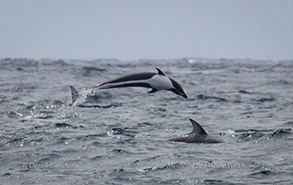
(160, 72)
(197, 129)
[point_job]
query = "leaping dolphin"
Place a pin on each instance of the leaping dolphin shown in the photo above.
(155, 81)
(198, 135)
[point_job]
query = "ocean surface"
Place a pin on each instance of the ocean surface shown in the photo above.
(120, 136)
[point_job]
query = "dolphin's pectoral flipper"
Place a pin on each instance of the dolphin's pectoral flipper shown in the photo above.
(74, 94)
(153, 90)
(160, 72)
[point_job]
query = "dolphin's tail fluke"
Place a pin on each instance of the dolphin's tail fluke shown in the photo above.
(74, 94)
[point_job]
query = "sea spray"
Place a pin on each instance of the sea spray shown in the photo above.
(82, 95)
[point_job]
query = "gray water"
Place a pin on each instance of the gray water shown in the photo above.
(120, 136)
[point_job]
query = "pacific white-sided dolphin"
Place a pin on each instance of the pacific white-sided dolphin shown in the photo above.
(198, 135)
(155, 81)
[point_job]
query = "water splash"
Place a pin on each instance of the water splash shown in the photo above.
(82, 95)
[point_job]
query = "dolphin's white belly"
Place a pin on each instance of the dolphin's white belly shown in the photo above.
(160, 82)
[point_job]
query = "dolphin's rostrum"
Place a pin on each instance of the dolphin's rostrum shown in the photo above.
(198, 135)
(155, 81)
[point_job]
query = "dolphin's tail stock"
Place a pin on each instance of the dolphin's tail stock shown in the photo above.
(74, 94)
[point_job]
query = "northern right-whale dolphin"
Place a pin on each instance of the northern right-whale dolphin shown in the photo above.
(198, 135)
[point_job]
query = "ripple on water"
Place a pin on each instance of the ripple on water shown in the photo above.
(120, 136)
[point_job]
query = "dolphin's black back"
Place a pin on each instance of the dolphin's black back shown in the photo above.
(132, 77)
(196, 138)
